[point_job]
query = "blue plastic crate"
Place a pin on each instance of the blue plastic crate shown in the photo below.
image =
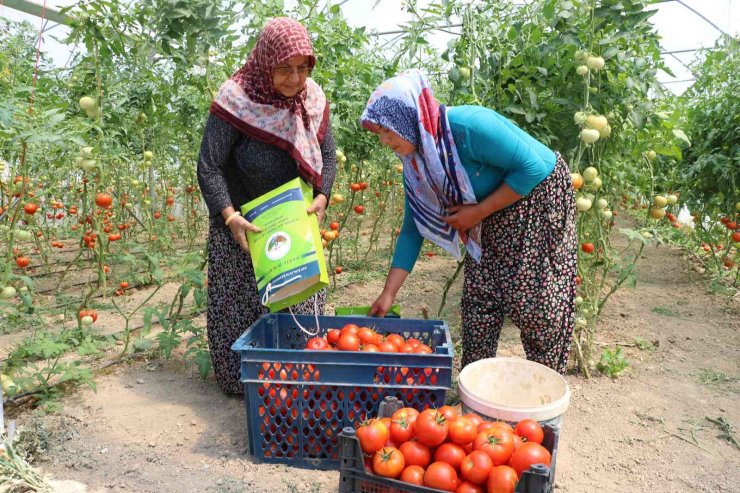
(297, 401)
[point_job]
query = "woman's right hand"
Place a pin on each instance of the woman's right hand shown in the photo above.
(381, 305)
(239, 227)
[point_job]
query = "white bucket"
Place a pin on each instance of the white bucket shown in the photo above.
(512, 389)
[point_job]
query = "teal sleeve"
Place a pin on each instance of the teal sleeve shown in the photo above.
(492, 141)
(409, 242)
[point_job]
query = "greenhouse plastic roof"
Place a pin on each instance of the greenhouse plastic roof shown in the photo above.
(684, 25)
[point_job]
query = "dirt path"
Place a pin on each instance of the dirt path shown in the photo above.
(156, 427)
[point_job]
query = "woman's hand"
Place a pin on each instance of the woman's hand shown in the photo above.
(464, 216)
(381, 305)
(318, 207)
(239, 227)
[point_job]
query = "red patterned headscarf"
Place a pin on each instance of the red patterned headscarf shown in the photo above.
(250, 102)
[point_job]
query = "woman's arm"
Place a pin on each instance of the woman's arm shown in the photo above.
(407, 251)
(219, 138)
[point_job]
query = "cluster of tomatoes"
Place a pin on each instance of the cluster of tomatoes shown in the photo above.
(438, 448)
(354, 338)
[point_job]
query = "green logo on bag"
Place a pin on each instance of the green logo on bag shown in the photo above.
(277, 245)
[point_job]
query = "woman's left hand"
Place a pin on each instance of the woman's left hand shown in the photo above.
(464, 216)
(318, 207)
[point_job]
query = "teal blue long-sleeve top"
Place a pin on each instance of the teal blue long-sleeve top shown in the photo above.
(492, 151)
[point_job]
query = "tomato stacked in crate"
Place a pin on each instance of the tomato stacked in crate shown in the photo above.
(298, 399)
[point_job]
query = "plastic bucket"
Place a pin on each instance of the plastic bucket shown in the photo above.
(512, 389)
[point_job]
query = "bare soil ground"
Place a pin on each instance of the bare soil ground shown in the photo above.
(155, 426)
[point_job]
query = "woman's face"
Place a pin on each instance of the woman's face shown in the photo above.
(289, 77)
(396, 142)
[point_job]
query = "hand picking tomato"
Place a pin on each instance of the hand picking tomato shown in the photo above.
(530, 430)
(442, 476)
(502, 480)
(388, 462)
(529, 453)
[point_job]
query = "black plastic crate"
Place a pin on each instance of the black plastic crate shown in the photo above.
(354, 479)
(298, 401)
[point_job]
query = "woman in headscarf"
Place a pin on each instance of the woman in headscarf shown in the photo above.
(471, 175)
(268, 124)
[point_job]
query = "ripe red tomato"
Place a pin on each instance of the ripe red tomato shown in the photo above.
(338, 269)
(463, 431)
(413, 475)
(333, 336)
(502, 480)
(587, 247)
(317, 344)
(497, 443)
(504, 425)
(359, 209)
(442, 476)
(431, 427)
(372, 435)
(518, 441)
(370, 348)
(124, 285)
(388, 462)
(350, 328)
(476, 467)
(408, 413)
(423, 349)
(334, 226)
(736, 237)
(157, 215)
(413, 342)
(468, 487)
(355, 187)
(396, 339)
(530, 430)
(30, 208)
(416, 453)
(22, 262)
(449, 413)
(578, 280)
(170, 201)
(474, 418)
(529, 453)
(387, 347)
(103, 200)
(401, 430)
(731, 225)
(450, 453)
(367, 335)
(348, 342)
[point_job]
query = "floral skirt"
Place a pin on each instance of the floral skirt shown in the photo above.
(527, 272)
(234, 304)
